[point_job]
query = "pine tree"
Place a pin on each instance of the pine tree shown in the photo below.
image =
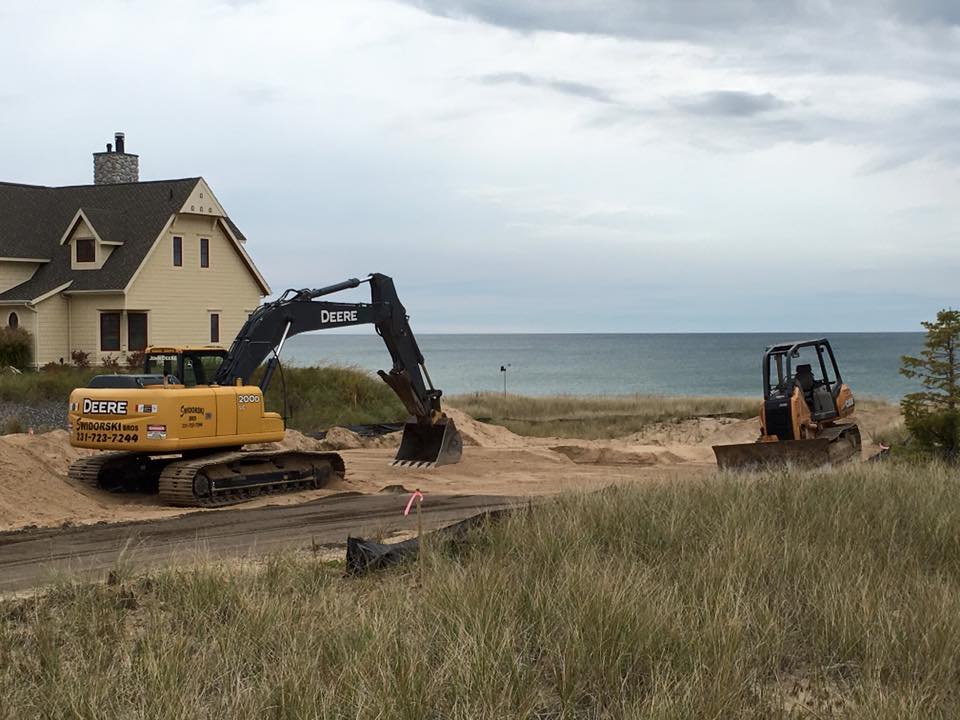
(933, 415)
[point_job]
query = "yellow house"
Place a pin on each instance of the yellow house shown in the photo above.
(111, 267)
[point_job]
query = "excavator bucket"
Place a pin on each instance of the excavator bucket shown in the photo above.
(836, 445)
(429, 445)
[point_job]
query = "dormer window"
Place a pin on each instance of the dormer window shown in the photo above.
(86, 250)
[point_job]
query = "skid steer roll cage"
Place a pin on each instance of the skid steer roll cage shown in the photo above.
(789, 351)
(297, 311)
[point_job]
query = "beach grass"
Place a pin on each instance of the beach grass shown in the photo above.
(45, 387)
(595, 417)
(760, 596)
(318, 398)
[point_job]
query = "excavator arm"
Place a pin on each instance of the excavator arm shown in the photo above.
(431, 436)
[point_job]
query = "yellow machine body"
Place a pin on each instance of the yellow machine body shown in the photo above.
(159, 419)
(803, 426)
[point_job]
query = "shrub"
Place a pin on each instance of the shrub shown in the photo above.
(134, 361)
(55, 367)
(933, 415)
(12, 427)
(80, 358)
(16, 347)
(110, 362)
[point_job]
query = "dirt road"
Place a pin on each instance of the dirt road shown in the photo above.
(33, 557)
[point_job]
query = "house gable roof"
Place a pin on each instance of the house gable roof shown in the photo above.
(34, 219)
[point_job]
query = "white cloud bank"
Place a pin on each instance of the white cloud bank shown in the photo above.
(554, 165)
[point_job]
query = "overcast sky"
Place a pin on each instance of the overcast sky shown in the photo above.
(533, 165)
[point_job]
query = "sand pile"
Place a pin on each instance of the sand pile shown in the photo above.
(739, 431)
(478, 434)
(337, 438)
(33, 486)
(689, 431)
(597, 454)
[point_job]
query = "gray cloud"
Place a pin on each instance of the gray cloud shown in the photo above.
(936, 12)
(564, 87)
(910, 42)
(625, 18)
(683, 19)
(729, 103)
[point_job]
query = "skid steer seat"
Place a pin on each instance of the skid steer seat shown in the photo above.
(819, 398)
(805, 381)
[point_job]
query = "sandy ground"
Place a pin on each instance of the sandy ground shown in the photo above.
(34, 490)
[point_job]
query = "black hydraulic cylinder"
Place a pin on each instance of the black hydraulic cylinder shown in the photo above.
(330, 289)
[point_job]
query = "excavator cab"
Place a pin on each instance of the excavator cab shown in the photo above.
(190, 365)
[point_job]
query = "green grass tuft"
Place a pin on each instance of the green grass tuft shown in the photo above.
(47, 386)
(321, 397)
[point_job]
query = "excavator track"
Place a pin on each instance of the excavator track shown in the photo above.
(114, 471)
(86, 471)
(214, 480)
(235, 477)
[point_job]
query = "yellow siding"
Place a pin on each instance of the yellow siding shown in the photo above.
(84, 311)
(52, 332)
(179, 300)
(14, 273)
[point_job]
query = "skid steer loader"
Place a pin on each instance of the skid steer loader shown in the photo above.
(805, 416)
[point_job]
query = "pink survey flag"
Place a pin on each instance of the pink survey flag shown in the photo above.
(416, 495)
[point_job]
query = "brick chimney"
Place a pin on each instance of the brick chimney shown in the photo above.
(115, 165)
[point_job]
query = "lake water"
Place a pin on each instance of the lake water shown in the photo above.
(582, 364)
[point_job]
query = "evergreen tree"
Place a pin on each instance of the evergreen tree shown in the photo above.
(933, 415)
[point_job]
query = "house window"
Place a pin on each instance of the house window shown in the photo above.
(177, 251)
(204, 253)
(86, 250)
(13, 320)
(110, 331)
(136, 331)
(214, 327)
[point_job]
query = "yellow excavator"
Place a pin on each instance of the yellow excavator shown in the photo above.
(805, 416)
(179, 428)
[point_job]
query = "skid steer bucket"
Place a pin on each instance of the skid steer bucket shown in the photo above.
(756, 455)
(429, 445)
(836, 444)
